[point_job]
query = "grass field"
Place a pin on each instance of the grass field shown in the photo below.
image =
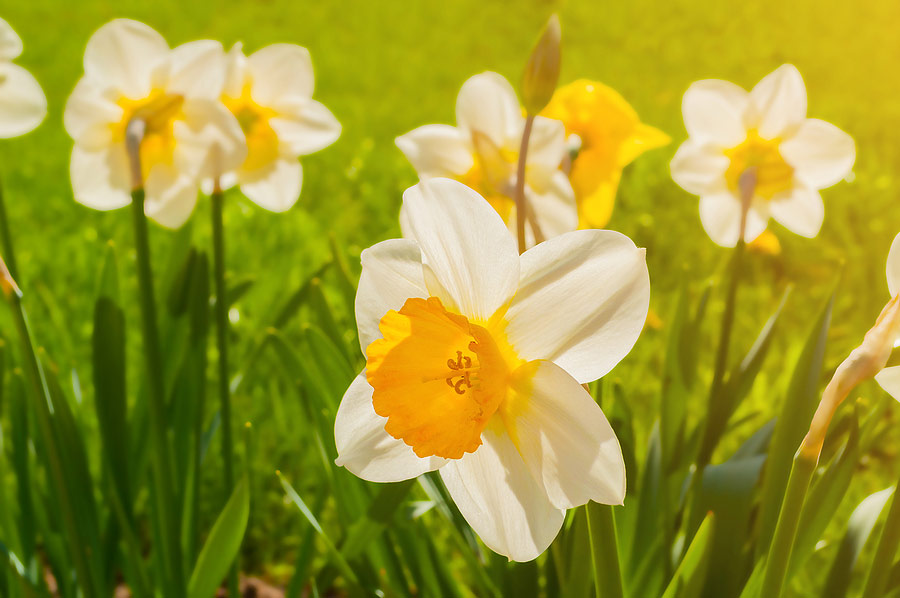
(384, 68)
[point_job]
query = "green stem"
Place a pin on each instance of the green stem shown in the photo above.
(521, 208)
(886, 551)
(222, 345)
(162, 464)
(8, 254)
(78, 547)
(604, 551)
(789, 518)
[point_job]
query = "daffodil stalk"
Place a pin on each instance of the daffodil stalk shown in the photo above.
(88, 576)
(747, 186)
(604, 551)
(222, 346)
(520, 184)
(863, 363)
(170, 550)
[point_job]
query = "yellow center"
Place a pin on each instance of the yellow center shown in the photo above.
(262, 141)
(773, 174)
(437, 377)
(159, 111)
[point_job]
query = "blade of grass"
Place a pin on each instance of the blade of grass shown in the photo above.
(604, 551)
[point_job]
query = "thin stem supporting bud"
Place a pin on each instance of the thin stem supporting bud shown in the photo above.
(521, 207)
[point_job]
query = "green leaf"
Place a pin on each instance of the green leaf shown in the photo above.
(796, 413)
(859, 528)
(334, 554)
(222, 545)
(378, 516)
(691, 573)
(823, 500)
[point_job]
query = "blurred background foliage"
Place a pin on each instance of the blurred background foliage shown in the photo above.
(386, 67)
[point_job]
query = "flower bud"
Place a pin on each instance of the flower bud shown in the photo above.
(542, 71)
(7, 283)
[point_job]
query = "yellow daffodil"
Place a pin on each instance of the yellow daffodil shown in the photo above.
(475, 360)
(270, 94)
(764, 131)
(131, 74)
(22, 102)
(604, 134)
(482, 151)
(889, 378)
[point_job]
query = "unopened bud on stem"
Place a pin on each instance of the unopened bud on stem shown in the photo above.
(7, 283)
(863, 363)
(542, 71)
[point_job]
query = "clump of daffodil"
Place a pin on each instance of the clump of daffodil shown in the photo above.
(732, 131)
(22, 102)
(131, 75)
(270, 95)
(475, 360)
(482, 151)
(603, 136)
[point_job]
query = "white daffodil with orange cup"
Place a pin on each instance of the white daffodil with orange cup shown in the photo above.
(475, 360)
(792, 157)
(130, 74)
(270, 94)
(22, 102)
(482, 151)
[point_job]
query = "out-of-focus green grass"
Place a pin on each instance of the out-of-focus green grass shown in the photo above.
(386, 67)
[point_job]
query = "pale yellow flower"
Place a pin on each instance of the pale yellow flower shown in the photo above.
(22, 102)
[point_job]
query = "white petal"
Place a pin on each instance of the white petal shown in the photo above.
(500, 499)
(280, 71)
(893, 267)
(465, 246)
(235, 71)
(437, 150)
(89, 114)
(22, 102)
(713, 112)
(564, 438)
(800, 211)
(699, 169)
(487, 103)
(170, 196)
(100, 179)
(209, 139)
(582, 302)
(391, 274)
(889, 380)
(547, 144)
(554, 207)
(778, 103)
(306, 128)
(276, 188)
(365, 448)
(10, 43)
(820, 153)
(720, 214)
(123, 55)
(197, 70)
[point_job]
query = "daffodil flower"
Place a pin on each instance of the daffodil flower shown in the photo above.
(766, 131)
(22, 102)
(482, 151)
(270, 94)
(130, 73)
(475, 360)
(603, 136)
